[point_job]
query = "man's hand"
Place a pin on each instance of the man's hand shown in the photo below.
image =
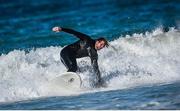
(56, 29)
(100, 83)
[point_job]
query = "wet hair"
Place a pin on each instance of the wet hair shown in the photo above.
(103, 39)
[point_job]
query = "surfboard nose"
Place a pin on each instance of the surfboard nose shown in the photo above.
(67, 80)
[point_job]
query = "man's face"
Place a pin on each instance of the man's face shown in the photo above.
(99, 45)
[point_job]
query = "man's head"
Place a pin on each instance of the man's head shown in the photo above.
(101, 43)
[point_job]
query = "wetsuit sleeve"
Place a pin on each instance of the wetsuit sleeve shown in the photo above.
(94, 62)
(77, 34)
(96, 68)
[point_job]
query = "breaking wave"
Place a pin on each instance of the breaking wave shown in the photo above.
(136, 60)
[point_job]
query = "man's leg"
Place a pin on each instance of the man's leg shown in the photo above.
(69, 61)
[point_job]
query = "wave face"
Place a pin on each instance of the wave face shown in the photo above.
(139, 60)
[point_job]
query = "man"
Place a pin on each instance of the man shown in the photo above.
(85, 47)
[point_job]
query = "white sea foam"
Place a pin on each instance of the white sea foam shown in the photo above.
(140, 59)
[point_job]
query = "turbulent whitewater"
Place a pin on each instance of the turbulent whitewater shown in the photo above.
(137, 60)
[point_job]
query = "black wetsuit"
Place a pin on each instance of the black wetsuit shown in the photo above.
(85, 47)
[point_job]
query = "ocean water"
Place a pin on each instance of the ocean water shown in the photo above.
(142, 73)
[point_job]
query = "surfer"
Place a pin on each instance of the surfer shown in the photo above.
(85, 47)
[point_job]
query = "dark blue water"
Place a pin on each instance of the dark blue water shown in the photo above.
(27, 24)
(26, 27)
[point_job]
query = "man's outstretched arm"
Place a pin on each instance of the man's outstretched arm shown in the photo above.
(71, 31)
(96, 71)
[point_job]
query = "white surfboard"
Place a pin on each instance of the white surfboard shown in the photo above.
(68, 80)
